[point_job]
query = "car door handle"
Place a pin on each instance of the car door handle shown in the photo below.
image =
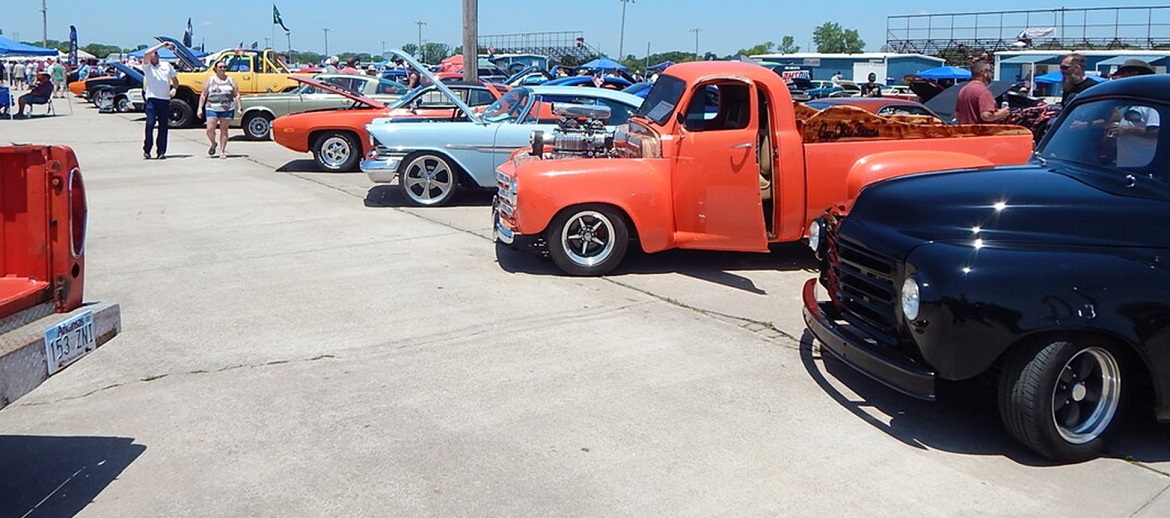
(745, 145)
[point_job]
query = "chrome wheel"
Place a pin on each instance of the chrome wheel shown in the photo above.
(427, 180)
(337, 152)
(588, 238)
(257, 126)
(124, 104)
(1086, 395)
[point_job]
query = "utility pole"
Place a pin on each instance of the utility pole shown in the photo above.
(327, 42)
(44, 25)
(470, 40)
(383, 49)
(696, 30)
(266, 41)
(622, 37)
(420, 26)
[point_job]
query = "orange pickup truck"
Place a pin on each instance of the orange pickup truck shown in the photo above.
(717, 158)
(44, 325)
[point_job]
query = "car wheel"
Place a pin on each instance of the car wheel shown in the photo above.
(123, 104)
(588, 240)
(337, 151)
(182, 115)
(103, 97)
(1061, 397)
(427, 179)
(258, 126)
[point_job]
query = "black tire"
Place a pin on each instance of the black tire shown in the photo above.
(1061, 397)
(182, 114)
(257, 126)
(104, 94)
(427, 179)
(337, 151)
(123, 104)
(588, 240)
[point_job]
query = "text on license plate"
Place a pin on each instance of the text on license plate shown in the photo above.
(68, 341)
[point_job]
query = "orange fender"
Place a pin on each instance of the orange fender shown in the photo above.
(880, 166)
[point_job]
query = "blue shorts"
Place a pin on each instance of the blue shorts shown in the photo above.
(225, 114)
(32, 99)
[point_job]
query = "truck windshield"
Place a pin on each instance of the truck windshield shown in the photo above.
(509, 107)
(662, 99)
(1116, 134)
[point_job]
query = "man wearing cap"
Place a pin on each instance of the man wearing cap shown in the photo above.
(871, 89)
(1136, 126)
(57, 75)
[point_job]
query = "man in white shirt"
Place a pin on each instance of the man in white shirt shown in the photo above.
(159, 80)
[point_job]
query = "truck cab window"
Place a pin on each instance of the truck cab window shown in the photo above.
(719, 107)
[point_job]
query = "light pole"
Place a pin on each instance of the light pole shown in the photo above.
(696, 30)
(420, 26)
(44, 25)
(383, 49)
(622, 36)
(327, 42)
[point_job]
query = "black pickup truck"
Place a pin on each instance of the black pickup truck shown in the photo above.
(1050, 279)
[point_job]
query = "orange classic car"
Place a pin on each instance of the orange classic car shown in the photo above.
(338, 138)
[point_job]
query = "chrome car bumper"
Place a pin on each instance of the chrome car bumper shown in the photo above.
(380, 166)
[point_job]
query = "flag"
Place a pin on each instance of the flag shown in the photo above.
(188, 35)
(255, 45)
(72, 46)
(277, 19)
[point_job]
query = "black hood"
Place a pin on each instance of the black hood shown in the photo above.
(1012, 206)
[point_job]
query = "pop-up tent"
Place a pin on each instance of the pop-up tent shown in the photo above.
(163, 53)
(604, 63)
(1056, 77)
(10, 47)
(947, 72)
(660, 67)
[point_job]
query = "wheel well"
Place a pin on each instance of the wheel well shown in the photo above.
(630, 227)
(318, 134)
(1131, 361)
(187, 95)
(261, 111)
(464, 179)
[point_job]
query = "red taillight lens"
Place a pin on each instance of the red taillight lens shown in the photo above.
(78, 212)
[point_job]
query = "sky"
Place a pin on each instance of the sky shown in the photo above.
(371, 25)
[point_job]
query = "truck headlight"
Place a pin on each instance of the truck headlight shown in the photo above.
(910, 302)
(814, 236)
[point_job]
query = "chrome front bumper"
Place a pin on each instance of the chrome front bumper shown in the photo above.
(380, 167)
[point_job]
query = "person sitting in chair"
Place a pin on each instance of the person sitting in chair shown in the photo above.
(39, 95)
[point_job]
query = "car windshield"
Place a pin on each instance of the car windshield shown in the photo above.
(662, 99)
(509, 107)
(1119, 135)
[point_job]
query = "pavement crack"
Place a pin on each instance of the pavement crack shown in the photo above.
(1153, 499)
(155, 377)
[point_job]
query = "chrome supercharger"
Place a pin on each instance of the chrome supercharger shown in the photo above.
(580, 133)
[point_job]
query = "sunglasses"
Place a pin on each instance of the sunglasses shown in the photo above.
(1067, 67)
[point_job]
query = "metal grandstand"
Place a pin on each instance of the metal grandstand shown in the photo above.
(555, 45)
(1105, 28)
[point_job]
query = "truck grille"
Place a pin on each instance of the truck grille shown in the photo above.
(861, 285)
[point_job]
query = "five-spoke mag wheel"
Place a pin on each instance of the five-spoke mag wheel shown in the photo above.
(427, 179)
(587, 240)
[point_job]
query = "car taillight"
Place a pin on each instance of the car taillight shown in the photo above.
(78, 212)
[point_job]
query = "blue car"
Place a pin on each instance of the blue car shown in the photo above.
(429, 160)
(819, 89)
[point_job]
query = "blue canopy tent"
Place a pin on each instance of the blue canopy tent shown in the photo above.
(1056, 77)
(604, 63)
(946, 72)
(10, 47)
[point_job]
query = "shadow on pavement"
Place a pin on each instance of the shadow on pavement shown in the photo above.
(964, 419)
(388, 195)
(58, 476)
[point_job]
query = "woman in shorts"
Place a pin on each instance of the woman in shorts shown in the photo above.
(220, 101)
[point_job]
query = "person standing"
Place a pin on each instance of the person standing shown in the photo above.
(837, 78)
(159, 81)
(330, 65)
(350, 66)
(18, 78)
(1072, 70)
(57, 75)
(1136, 126)
(220, 101)
(976, 104)
(871, 89)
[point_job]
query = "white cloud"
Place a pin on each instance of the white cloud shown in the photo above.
(206, 24)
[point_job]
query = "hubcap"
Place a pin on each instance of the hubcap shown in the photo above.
(335, 151)
(428, 180)
(588, 238)
(258, 126)
(1086, 395)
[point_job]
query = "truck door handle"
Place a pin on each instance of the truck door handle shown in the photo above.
(745, 145)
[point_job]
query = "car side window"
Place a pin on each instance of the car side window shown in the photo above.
(720, 106)
(481, 98)
(242, 63)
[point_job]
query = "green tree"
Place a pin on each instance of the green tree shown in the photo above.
(435, 52)
(411, 49)
(766, 47)
(787, 45)
(831, 38)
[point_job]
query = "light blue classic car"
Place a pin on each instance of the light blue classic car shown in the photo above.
(431, 159)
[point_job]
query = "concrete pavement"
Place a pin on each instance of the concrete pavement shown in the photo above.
(298, 343)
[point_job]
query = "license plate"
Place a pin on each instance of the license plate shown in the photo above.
(68, 341)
